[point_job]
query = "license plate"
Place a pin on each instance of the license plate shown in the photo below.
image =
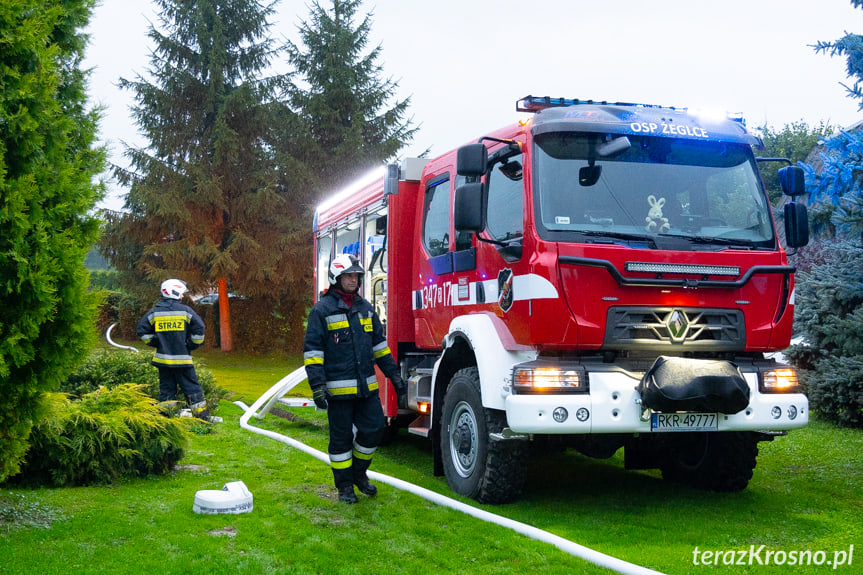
(683, 422)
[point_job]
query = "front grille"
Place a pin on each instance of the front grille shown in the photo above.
(689, 329)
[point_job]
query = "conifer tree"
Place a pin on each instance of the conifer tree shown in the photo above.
(207, 201)
(829, 310)
(836, 188)
(48, 159)
(348, 124)
(829, 313)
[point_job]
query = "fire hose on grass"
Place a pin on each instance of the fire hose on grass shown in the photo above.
(111, 341)
(275, 395)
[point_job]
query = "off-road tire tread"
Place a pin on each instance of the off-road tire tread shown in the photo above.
(503, 470)
(506, 464)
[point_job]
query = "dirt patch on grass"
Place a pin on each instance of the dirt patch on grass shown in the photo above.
(17, 512)
(223, 532)
(192, 468)
(793, 469)
(316, 514)
(287, 415)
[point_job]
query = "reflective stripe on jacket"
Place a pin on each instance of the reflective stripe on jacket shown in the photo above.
(174, 330)
(342, 346)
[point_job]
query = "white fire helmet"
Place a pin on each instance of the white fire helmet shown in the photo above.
(174, 289)
(344, 264)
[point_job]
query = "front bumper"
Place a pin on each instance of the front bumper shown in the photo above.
(614, 406)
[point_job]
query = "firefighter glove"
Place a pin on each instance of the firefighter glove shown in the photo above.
(320, 398)
(399, 385)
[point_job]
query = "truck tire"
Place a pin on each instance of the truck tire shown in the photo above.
(475, 466)
(718, 461)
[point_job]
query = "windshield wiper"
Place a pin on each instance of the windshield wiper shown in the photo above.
(712, 240)
(620, 236)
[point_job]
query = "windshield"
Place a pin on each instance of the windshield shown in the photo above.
(649, 190)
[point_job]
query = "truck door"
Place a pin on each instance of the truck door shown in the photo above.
(434, 266)
(504, 262)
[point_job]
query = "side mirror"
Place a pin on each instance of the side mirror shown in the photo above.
(796, 225)
(792, 180)
(469, 208)
(472, 160)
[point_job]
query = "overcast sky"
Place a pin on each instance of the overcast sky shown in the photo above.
(464, 63)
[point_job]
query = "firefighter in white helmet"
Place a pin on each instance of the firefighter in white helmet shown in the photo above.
(344, 340)
(175, 330)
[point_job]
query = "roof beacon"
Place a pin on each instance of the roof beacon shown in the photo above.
(536, 103)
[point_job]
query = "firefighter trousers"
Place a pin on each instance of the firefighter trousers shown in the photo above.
(351, 454)
(170, 378)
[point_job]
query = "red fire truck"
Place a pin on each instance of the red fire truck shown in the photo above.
(598, 275)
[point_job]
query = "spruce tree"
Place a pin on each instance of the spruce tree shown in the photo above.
(829, 313)
(48, 160)
(207, 201)
(348, 124)
(836, 188)
(829, 310)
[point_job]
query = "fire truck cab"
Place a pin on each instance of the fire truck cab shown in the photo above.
(598, 275)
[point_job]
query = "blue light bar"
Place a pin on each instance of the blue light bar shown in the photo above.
(537, 103)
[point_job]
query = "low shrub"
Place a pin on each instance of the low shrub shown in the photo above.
(110, 368)
(105, 435)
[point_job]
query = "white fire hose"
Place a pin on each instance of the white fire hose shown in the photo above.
(111, 341)
(274, 395)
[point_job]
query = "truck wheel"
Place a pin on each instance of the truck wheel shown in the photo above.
(719, 461)
(476, 467)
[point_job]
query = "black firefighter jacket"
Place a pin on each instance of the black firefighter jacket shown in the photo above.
(174, 330)
(342, 345)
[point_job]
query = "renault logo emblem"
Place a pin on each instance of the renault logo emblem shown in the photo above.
(677, 325)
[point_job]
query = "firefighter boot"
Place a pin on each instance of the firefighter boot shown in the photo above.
(347, 495)
(361, 480)
(365, 487)
(201, 411)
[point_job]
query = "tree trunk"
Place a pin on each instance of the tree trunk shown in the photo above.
(224, 316)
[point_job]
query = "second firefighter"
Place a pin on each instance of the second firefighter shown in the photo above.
(343, 343)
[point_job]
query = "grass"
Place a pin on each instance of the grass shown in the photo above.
(807, 494)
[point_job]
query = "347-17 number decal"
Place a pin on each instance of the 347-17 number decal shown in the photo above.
(435, 295)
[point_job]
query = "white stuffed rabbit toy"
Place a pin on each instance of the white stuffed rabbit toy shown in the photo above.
(654, 219)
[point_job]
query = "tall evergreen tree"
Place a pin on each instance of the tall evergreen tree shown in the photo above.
(206, 199)
(348, 124)
(837, 186)
(829, 313)
(48, 159)
(830, 295)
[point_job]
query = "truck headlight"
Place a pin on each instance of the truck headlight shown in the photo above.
(782, 380)
(544, 377)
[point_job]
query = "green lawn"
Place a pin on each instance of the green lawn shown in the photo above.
(807, 494)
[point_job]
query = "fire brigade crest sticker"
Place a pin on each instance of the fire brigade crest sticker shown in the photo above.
(504, 289)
